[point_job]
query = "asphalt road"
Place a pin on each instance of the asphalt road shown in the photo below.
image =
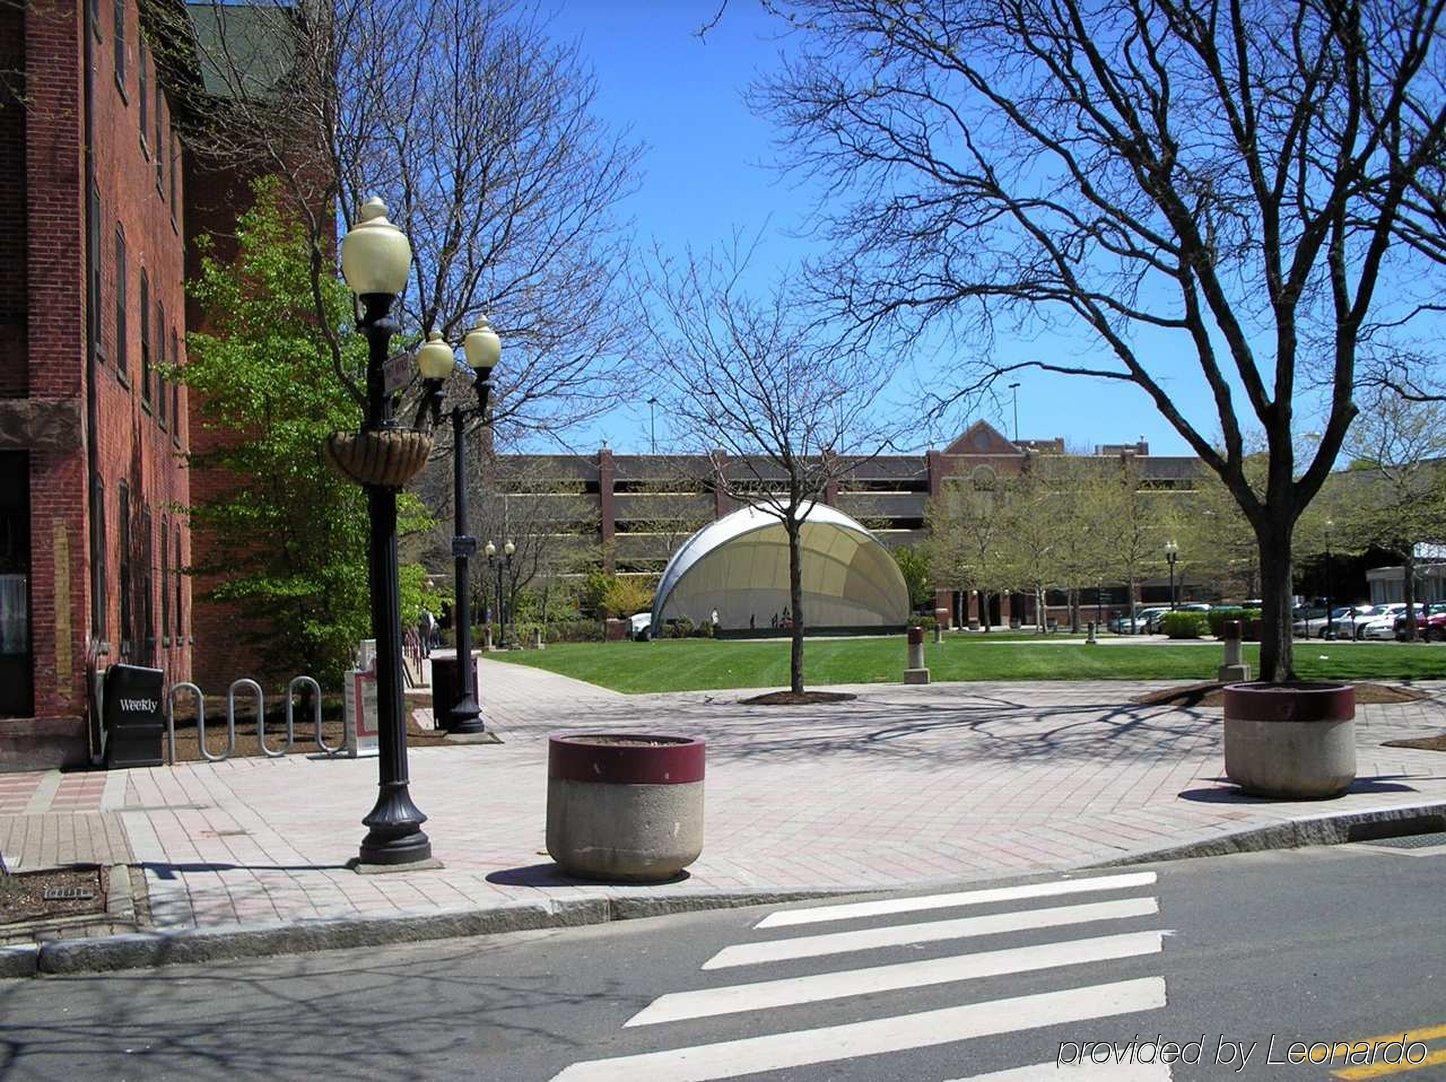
(1319, 945)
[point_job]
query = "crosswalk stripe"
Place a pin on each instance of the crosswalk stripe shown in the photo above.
(1078, 1072)
(777, 950)
(707, 1002)
(853, 910)
(879, 1036)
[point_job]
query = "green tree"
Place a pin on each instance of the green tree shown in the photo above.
(914, 565)
(286, 537)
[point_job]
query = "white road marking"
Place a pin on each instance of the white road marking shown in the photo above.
(707, 1002)
(1078, 1072)
(777, 950)
(879, 1036)
(852, 910)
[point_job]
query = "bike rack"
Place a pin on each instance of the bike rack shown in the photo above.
(171, 717)
(307, 681)
(245, 682)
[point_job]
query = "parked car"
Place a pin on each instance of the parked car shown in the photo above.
(1341, 620)
(1385, 621)
(642, 626)
(1426, 629)
(1120, 625)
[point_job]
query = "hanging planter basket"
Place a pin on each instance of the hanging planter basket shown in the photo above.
(385, 458)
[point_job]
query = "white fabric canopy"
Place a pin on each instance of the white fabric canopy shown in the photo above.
(738, 566)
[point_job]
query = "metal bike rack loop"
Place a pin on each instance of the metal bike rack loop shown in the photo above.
(260, 713)
(171, 717)
(306, 681)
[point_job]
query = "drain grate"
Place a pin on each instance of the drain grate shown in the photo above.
(1412, 841)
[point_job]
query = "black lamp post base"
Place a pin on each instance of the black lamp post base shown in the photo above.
(465, 718)
(396, 835)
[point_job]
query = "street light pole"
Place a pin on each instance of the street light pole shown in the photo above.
(653, 424)
(1014, 387)
(1172, 553)
(1330, 632)
(437, 362)
(376, 260)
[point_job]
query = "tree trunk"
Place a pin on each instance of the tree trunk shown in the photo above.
(795, 601)
(1276, 587)
(1073, 600)
(1408, 591)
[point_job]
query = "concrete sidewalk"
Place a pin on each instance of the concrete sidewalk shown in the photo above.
(904, 786)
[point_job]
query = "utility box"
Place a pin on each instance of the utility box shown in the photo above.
(445, 690)
(132, 716)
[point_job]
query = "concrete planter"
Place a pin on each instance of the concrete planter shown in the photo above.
(624, 806)
(1291, 741)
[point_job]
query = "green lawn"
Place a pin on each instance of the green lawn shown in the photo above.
(702, 664)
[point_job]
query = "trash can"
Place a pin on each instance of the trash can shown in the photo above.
(132, 716)
(445, 687)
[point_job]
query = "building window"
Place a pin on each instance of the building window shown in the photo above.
(120, 304)
(145, 339)
(148, 587)
(127, 616)
(94, 322)
(175, 388)
(144, 94)
(97, 567)
(161, 364)
(180, 624)
(165, 582)
(120, 47)
(160, 141)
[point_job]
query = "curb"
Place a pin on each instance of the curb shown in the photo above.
(138, 950)
(1336, 828)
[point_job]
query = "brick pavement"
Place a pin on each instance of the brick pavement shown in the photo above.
(902, 786)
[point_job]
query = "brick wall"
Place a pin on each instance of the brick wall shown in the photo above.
(14, 371)
(46, 282)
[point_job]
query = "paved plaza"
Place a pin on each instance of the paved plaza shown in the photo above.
(903, 786)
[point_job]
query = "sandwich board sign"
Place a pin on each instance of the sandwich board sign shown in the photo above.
(359, 706)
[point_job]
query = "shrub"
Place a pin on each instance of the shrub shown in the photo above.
(574, 631)
(1185, 625)
(1221, 613)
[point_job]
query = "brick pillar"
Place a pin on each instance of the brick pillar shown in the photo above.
(944, 608)
(608, 524)
(934, 466)
(55, 289)
(973, 615)
(1006, 610)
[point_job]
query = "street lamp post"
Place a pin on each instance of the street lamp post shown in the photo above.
(1172, 553)
(376, 261)
(506, 561)
(653, 425)
(1014, 387)
(437, 361)
(1330, 631)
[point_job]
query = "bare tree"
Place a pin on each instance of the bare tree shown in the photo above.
(1394, 496)
(1208, 189)
(478, 131)
(781, 395)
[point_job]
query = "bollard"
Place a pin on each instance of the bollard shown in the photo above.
(487, 639)
(1232, 670)
(917, 672)
(938, 634)
(537, 643)
(1090, 639)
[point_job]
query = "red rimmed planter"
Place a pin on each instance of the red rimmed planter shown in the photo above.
(1293, 741)
(624, 806)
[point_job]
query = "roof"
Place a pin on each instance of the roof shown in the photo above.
(849, 577)
(245, 49)
(982, 438)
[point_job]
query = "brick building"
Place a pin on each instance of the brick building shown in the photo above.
(629, 513)
(92, 312)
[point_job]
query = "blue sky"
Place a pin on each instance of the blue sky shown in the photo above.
(706, 174)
